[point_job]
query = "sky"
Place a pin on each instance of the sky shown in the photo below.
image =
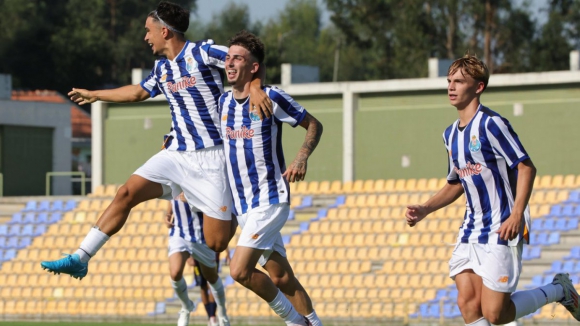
(259, 9)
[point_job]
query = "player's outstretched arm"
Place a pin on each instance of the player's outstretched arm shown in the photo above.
(168, 220)
(447, 195)
(510, 229)
(259, 100)
(296, 171)
(129, 93)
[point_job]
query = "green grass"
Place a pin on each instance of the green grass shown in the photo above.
(50, 323)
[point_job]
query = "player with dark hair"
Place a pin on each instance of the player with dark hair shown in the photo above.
(259, 181)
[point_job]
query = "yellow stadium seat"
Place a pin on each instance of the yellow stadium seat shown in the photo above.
(545, 182)
(442, 183)
(312, 187)
(324, 188)
(301, 188)
(379, 186)
(347, 187)
(400, 185)
(551, 197)
(368, 186)
(99, 191)
(111, 190)
(569, 181)
(557, 181)
(562, 195)
(336, 187)
(411, 185)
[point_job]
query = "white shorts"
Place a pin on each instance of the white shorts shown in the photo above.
(198, 251)
(201, 175)
(261, 229)
(499, 266)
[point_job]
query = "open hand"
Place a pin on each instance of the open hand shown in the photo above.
(82, 96)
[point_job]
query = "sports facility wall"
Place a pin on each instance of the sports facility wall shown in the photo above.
(388, 126)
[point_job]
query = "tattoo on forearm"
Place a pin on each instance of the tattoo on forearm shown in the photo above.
(311, 140)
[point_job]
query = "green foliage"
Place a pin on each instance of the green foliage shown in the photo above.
(95, 43)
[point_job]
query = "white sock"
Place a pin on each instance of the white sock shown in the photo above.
(480, 322)
(91, 244)
(219, 295)
(313, 319)
(283, 308)
(526, 302)
(180, 288)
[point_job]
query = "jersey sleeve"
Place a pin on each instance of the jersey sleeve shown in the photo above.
(214, 55)
(505, 141)
(150, 85)
(285, 108)
(452, 176)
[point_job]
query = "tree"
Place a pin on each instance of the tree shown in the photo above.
(227, 23)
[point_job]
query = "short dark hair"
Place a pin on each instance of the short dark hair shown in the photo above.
(250, 42)
(173, 15)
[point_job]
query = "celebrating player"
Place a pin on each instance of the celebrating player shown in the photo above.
(192, 159)
(259, 181)
(488, 164)
(186, 240)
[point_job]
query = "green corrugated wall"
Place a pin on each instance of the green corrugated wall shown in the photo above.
(388, 126)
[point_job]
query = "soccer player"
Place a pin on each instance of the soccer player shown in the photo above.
(192, 158)
(186, 240)
(488, 164)
(206, 297)
(259, 181)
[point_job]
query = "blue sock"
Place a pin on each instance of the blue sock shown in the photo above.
(210, 309)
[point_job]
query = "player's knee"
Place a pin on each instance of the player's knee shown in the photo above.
(176, 275)
(494, 316)
(283, 282)
(469, 306)
(123, 196)
(241, 275)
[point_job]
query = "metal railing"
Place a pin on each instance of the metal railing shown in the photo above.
(68, 173)
(1, 185)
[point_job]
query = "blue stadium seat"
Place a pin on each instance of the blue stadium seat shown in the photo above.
(568, 266)
(573, 198)
(561, 224)
(576, 268)
(24, 242)
(29, 218)
(572, 224)
(574, 253)
(433, 311)
(576, 211)
(57, 206)
(291, 215)
(39, 230)
(423, 310)
(555, 210)
(16, 219)
(11, 243)
(537, 223)
(42, 218)
(535, 252)
(3, 229)
(1, 256)
(304, 226)
(568, 210)
(451, 310)
(549, 224)
(70, 205)
(540, 238)
(440, 294)
(526, 253)
(575, 279)
(537, 281)
(453, 293)
(285, 240)
(340, 200)
(14, 230)
(556, 267)
(3, 242)
(548, 279)
(43, 206)
(306, 202)
(30, 206)
(27, 229)
(554, 238)
(9, 254)
(322, 213)
(54, 217)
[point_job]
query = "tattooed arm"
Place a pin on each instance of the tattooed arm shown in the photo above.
(297, 169)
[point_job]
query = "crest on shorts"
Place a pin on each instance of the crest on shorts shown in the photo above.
(190, 64)
(474, 144)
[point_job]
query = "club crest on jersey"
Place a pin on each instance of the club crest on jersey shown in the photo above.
(474, 144)
(254, 116)
(190, 64)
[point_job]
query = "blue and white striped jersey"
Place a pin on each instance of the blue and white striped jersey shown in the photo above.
(187, 224)
(483, 157)
(253, 149)
(192, 84)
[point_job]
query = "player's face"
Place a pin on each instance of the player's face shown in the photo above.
(154, 36)
(240, 67)
(462, 89)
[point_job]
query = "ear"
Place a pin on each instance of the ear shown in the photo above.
(255, 67)
(480, 87)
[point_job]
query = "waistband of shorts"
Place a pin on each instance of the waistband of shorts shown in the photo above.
(219, 147)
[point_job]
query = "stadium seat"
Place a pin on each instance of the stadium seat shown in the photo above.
(70, 205)
(573, 198)
(57, 206)
(30, 206)
(43, 206)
